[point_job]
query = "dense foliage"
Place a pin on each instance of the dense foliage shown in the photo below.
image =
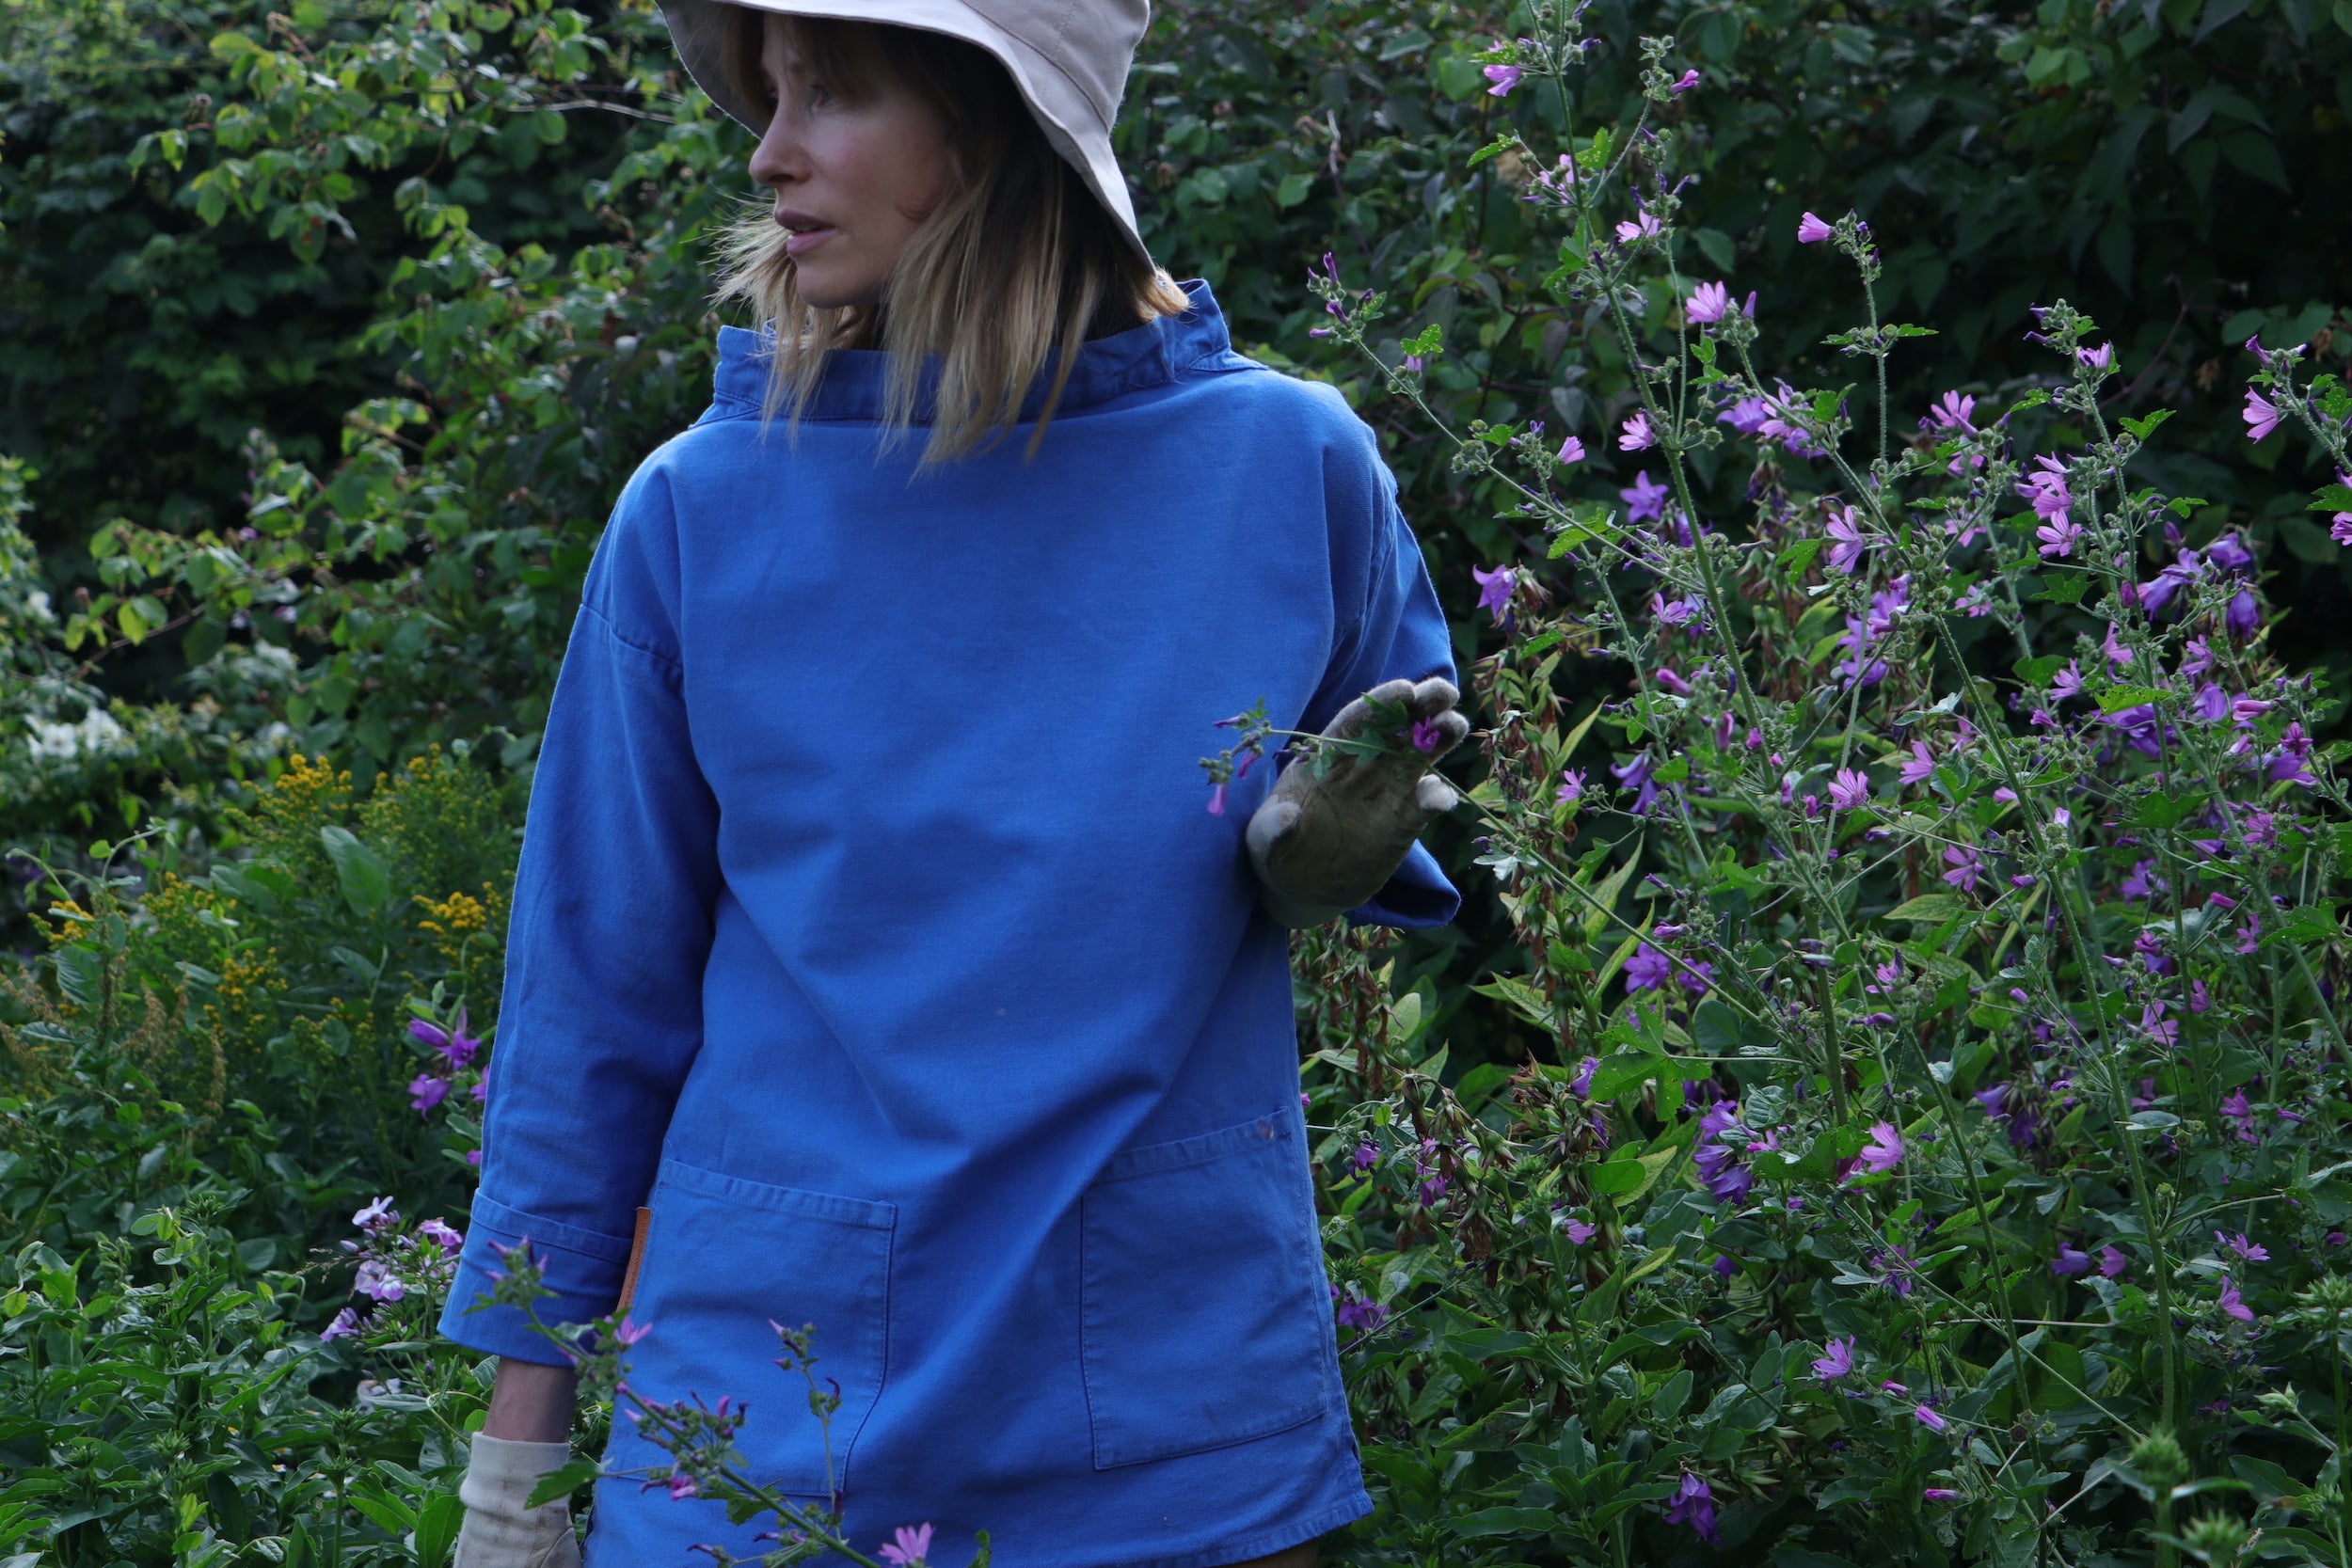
(1888, 1093)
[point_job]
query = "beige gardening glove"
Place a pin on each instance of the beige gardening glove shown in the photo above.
(1323, 845)
(500, 1530)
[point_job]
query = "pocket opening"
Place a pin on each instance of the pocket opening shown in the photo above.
(1203, 1318)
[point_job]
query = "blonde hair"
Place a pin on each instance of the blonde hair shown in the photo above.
(1013, 266)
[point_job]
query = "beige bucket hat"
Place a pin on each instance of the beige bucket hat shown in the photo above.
(1069, 57)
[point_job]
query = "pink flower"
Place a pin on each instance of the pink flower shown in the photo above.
(2100, 358)
(1952, 412)
(2253, 1252)
(1504, 78)
(379, 1213)
(1709, 302)
(1884, 1151)
(1850, 790)
(1811, 230)
(2112, 1262)
(1217, 800)
(2260, 417)
(443, 1236)
(426, 1091)
(1571, 786)
(683, 1487)
(2071, 1262)
(1425, 734)
(1939, 1494)
(1836, 1362)
(1495, 589)
(1684, 83)
(377, 1283)
(1967, 867)
(1644, 499)
(1580, 1232)
(630, 1331)
(911, 1543)
(1637, 434)
(1646, 226)
(2058, 536)
(1920, 766)
(1571, 450)
(1694, 1504)
(1929, 1418)
(2233, 1304)
(1845, 542)
(346, 1324)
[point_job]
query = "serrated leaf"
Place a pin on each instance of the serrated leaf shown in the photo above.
(1934, 908)
(2116, 699)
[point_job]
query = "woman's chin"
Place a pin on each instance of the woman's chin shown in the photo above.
(826, 290)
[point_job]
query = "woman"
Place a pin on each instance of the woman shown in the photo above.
(870, 933)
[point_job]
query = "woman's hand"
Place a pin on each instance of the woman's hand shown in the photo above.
(527, 1433)
(1323, 845)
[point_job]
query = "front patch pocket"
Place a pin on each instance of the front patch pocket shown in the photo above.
(1203, 1320)
(724, 1255)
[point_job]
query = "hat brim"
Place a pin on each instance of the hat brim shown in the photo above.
(700, 29)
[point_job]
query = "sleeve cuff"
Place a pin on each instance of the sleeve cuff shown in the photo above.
(583, 1268)
(1417, 898)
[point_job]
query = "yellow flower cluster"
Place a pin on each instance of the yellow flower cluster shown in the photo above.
(460, 917)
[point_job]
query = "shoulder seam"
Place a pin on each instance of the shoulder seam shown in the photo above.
(669, 666)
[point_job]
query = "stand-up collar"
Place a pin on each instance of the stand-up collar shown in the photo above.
(1147, 356)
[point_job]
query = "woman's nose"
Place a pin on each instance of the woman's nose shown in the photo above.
(777, 161)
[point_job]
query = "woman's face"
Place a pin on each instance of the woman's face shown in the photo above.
(854, 177)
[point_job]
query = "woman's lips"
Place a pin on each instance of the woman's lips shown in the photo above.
(798, 241)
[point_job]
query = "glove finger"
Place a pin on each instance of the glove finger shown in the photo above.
(1352, 718)
(1451, 727)
(1434, 796)
(1269, 825)
(1434, 696)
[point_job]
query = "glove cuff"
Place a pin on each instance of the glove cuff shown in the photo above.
(502, 1472)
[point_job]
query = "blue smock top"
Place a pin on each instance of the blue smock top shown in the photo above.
(872, 929)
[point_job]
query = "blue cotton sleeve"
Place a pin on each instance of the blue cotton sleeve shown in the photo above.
(607, 941)
(1398, 633)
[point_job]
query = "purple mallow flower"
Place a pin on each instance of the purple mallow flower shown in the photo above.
(1812, 229)
(2261, 416)
(2232, 1303)
(1709, 303)
(1845, 542)
(1836, 1360)
(1504, 78)
(426, 1091)
(1884, 1151)
(1644, 500)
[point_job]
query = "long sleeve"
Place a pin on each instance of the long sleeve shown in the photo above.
(611, 933)
(1398, 633)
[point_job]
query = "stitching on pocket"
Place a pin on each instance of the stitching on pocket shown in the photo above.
(1177, 1361)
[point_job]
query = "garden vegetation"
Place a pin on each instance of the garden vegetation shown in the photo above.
(1887, 1096)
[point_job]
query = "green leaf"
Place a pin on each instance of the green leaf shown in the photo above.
(2064, 588)
(1294, 189)
(1934, 908)
(2142, 429)
(437, 1528)
(1605, 895)
(2116, 699)
(367, 882)
(1494, 149)
(2037, 672)
(564, 1482)
(1624, 1071)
